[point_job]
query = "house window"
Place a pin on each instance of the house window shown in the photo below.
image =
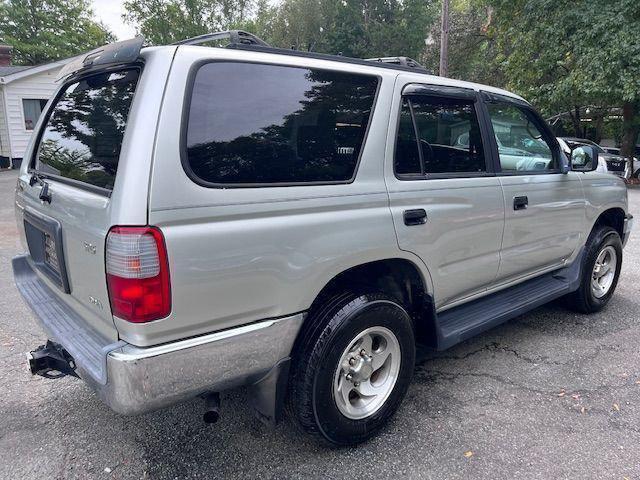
(32, 109)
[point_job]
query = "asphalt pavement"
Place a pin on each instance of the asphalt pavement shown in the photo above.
(552, 394)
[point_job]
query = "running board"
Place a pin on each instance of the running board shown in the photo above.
(461, 323)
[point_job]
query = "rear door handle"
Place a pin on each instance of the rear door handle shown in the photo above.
(520, 203)
(415, 217)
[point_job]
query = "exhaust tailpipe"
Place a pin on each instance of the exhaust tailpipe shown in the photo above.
(212, 407)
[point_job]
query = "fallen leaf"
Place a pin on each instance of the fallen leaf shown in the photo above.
(616, 407)
(583, 410)
(575, 396)
(562, 393)
(468, 454)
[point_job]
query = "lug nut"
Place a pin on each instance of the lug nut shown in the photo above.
(349, 377)
(363, 352)
(356, 384)
(352, 361)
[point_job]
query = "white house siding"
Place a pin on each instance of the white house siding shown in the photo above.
(4, 133)
(37, 86)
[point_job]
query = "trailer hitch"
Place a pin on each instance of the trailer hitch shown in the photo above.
(51, 361)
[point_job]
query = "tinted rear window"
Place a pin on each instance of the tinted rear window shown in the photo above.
(83, 135)
(267, 124)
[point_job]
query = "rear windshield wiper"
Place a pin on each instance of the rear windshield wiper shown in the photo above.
(45, 196)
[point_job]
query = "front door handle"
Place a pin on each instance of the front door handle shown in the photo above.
(520, 203)
(415, 217)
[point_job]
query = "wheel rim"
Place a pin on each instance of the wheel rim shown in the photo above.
(604, 271)
(367, 372)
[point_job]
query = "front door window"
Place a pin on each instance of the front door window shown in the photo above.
(521, 145)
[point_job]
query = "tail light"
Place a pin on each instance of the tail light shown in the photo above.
(138, 274)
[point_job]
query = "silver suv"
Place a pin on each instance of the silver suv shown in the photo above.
(201, 218)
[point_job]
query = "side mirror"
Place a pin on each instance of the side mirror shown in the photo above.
(584, 159)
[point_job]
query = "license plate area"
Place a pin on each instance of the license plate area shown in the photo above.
(615, 165)
(44, 238)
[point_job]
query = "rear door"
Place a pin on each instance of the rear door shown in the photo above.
(446, 202)
(544, 208)
(65, 192)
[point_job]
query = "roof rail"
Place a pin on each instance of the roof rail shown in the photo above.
(236, 37)
(403, 61)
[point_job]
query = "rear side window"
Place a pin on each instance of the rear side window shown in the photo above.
(266, 124)
(83, 135)
(438, 136)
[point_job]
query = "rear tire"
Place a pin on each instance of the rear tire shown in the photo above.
(600, 271)
(353, 345)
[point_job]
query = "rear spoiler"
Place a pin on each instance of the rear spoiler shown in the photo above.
(116, 53)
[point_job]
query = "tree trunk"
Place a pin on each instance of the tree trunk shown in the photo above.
(444, 39)
(575, 120)
(598, 124)
(630, 128)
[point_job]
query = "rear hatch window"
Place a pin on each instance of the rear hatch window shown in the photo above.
(83, 134)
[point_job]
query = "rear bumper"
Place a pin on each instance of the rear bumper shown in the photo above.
(133, 380)
(624, 173)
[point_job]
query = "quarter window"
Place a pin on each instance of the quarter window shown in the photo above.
(521, 145)
(448, 137)
(268, 124)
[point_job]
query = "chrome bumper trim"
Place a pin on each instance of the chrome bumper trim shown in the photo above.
(145, 379)
(133, 380)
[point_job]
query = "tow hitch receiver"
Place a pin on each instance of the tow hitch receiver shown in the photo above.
(51, 361)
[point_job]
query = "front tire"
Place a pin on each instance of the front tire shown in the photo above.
(352, 367)
(601, 266)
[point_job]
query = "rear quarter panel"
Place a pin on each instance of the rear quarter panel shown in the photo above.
(239, 255)
(86, 217)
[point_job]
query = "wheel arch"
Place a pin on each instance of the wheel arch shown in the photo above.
(401, 278)
(612, 217)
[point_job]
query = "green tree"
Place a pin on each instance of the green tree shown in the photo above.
(167, 21)
(354, 28)
(45, 30)
(472, 48)
(563, 57)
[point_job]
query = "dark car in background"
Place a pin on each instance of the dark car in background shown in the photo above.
(635, 167)
(616, 164)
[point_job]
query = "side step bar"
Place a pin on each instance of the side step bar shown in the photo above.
(461, 323)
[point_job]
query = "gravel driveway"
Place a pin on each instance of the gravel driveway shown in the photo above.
(551, 394)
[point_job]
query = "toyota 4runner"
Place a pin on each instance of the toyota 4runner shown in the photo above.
(201, 218)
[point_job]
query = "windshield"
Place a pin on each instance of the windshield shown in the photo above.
(83, 134)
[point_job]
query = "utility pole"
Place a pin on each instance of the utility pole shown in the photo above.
(444, 39)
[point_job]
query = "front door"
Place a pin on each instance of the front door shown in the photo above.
(544, 208)
(447, 204)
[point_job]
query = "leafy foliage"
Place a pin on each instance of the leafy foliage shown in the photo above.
(360, 28)
(45, 30)
(472, 49)
(166, 21)
(562, 57)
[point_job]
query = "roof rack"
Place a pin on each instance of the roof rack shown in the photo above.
(236, 37)
(242, 40)
(403, 61)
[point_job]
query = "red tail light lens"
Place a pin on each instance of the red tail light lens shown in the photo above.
(138, 274)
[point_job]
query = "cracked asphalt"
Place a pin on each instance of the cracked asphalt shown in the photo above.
(552, 394)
